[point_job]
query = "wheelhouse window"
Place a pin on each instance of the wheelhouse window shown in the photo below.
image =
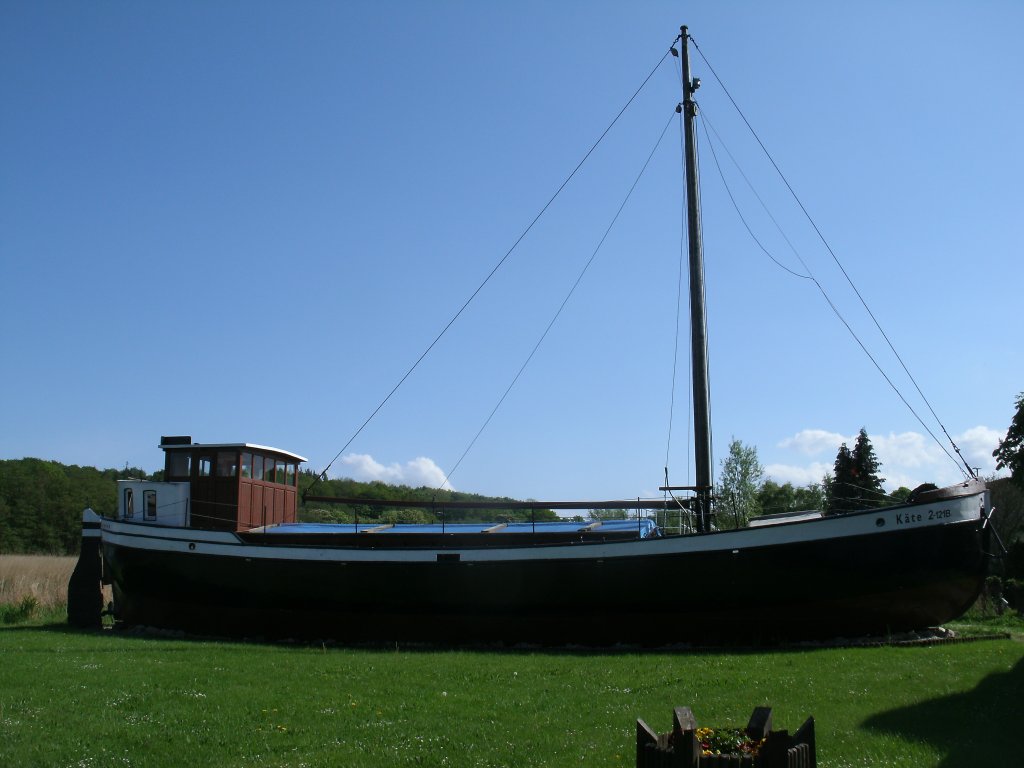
(205, 466)
(149, 505)
(227, 464)
(265, 468)
(178, 465)
(129, 503)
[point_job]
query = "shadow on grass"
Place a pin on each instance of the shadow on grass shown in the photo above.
(979, 727)
(46, 625)
(60, 626)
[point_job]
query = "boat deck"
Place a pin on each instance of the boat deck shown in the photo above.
(434, 535)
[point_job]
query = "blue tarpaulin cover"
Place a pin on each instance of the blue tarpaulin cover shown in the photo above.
(643, 527)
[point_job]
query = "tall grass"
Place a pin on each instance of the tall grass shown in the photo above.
(39, 578)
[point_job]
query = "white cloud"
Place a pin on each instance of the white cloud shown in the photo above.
(812, 442)
(417, 472)
(977, 444)
(797, 475)
(907, 458)
(907, 449)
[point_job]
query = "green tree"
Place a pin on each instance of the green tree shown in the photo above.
(1010, 453)
(608, 514)
(840, 490)
(866, 466)
(738, 484)
(810, 497)
(1008, 502)
(901, 494)
(773, 498)
(855, 483)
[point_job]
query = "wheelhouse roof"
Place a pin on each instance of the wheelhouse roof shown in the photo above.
(232, 446)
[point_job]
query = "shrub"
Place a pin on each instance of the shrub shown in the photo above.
(21, 611)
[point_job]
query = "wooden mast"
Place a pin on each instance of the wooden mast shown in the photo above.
(698, 321)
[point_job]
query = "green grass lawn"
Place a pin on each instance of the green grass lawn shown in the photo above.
(112, 699)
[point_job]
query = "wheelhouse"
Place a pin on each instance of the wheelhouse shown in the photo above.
(216, 486)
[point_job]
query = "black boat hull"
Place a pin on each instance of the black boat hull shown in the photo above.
(838, 578)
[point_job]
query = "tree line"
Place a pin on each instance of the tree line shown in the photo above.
(744, 492)
(855, 483)
(318, 511)
(41, 503)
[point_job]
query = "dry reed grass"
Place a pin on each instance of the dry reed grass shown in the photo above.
(44, 577)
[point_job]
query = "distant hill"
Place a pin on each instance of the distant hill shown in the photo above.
(41, 503)
(353, 489)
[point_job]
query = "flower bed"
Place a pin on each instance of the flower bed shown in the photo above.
(756, 746)
(727, 741)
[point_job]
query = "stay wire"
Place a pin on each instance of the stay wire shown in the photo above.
(675, 346)
(561, 307)
(323, 474)
(683, 249)
(707, 332)
(709, 126)
(810, 276)
(706, 124)
(835, 258)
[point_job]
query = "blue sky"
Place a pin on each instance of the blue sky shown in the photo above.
(244, 221)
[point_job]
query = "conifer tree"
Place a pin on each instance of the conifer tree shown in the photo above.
(840, 490)
(865, 470)
(855, 483)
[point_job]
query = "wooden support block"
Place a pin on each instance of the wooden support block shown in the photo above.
(646, 742)
(805, 735)
(685, 747)
(683, 720)
(774, 750)
(760, 723)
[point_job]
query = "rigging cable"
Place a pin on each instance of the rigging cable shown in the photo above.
(675, 346)
(323, 474)
(561, 307)
(683, 249)
(970, 472)
(707, 333)
(706, 125)
(810, 276)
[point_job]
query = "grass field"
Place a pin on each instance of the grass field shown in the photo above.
(114, 699)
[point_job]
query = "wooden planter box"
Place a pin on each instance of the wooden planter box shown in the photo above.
(682, 748)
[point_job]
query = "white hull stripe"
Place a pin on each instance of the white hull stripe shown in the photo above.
(965, 509)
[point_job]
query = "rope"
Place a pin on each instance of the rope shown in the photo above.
(562, 306)
(810, 276)
(970, 472)
(323, 474)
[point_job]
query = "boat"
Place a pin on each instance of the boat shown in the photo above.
(215, 547)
